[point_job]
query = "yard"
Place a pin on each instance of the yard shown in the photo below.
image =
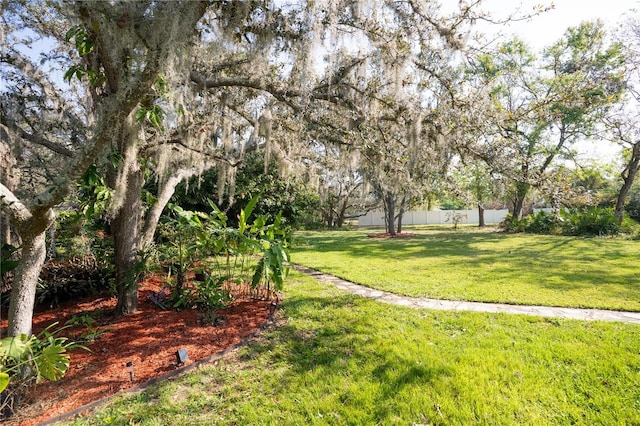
(335, 358)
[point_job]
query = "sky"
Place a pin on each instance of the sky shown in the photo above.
(548, 27)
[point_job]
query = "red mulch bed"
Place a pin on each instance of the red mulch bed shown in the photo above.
(148, 339)
(387, 235)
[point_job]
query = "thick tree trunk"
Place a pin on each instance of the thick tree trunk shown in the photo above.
(390, 213)
(126, 228)
(23, 293)
(628, 177)
(480, 216)
(31, 225)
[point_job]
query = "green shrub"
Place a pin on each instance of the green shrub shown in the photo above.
(253, 252)
(589, 221)
(208, 295)
(539, 222)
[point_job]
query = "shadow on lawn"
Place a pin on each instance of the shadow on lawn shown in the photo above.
(559, 263)
(353, 344)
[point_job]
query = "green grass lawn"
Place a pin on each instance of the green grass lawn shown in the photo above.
(344, 360)
(483, 265)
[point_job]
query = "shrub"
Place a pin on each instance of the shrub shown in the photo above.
(230, 253)
(71, 279)
(576, 222)
(589, 221)
(539, 222)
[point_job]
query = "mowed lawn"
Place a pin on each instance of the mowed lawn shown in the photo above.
(338, 359)
(483, 265)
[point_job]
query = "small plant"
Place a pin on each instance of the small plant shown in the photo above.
(27, 360)
(456, 218)
(208, 295)
(91, 333)
(162, 298)
(193, 237)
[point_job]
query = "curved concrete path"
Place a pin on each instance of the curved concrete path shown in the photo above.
(452, 305)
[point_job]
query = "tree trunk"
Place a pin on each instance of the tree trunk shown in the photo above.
(522, 189)
(328, 217)
(401, 213)
(480, 216)
(341, 214)
(23, 293)
(126, 228)
(10, 179)
(628, 177)
(390, 213)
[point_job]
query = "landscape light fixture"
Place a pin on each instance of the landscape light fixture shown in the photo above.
(130, 368)
(181, 356)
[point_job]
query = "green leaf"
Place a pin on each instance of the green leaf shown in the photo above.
(251, 205)
(15, 348)
(257, 274)
(53, 362)
(141, 114)
(4, 381)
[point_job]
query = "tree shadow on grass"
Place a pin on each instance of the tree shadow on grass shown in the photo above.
(562, 264)
(350, 345)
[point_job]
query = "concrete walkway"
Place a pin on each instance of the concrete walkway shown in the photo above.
(452, 305)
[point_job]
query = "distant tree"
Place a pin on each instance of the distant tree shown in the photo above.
(477, 185)
(622, 124)
(539, 108)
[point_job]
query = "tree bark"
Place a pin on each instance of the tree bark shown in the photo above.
(23, 293)
(401, 213)
(522, 189)
(166, 190)
(390, 213)
(480, 216)
(126, 236)
(342, 213)
(628, 177)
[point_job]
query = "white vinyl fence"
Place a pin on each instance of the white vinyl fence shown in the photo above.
(435, 217)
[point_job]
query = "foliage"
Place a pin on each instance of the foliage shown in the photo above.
(91, 333)
(588, 221)
(481, 264)
(26, 360)
(208, 295)
(73, 278)
(196, 237)
(344, 360)
(539, 222)
(452, 204)
(7, 263)
(295, 201)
